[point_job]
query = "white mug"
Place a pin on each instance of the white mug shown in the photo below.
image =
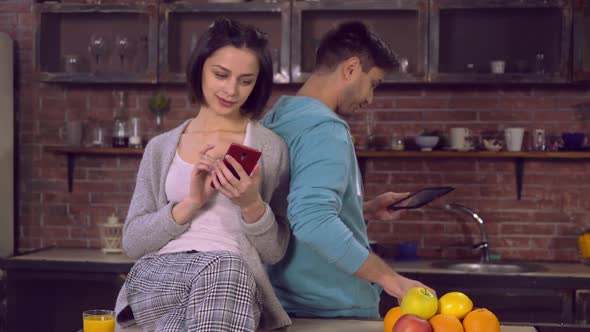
(514, 138)
(459, 139)
(497, 66)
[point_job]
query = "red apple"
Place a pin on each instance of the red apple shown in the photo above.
(411, 323)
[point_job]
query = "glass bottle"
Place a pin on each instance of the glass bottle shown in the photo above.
(120, 134)
(135, 134)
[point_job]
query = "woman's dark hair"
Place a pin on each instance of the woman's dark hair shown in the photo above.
(226, 32)
(355, 39)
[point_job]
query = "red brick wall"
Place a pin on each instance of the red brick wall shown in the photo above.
(542, 225)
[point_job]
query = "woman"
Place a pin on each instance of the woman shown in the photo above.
(202, 235)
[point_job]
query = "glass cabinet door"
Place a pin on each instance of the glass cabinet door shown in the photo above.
(96, 43)
(583, 306)
(581, 41)
(183, 22)
(508, 41)
(401, 23)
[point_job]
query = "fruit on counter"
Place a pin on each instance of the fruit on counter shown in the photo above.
(420, 302)
(445, 323)
(481, 320)
(411, 323)
(391, 317)
(455, 314)
(455, 304)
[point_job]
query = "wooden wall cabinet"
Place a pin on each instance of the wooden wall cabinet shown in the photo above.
(532, 37)
(442, 40)
(182, 22)
(402, 23)
(68, 39)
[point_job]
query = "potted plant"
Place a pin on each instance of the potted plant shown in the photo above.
(159, 104)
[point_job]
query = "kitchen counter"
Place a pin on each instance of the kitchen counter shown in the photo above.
(354, 325)
(551, 269)
(66, 259)
(86, 259)
(73, 268)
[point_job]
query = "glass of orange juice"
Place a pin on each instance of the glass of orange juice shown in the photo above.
(98, 321)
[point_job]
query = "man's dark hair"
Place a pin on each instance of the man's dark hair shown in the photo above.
(223, 32)
(351, 39)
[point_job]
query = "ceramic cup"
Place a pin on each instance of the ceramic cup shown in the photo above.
(407, 251)
(459, 139)
(573, 141)
(497, 66)
(514, 138)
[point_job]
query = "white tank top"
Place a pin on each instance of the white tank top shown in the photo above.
(215, 226)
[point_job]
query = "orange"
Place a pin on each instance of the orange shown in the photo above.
(391, 317)
(455, 303)
(481, 320)
(445, 323)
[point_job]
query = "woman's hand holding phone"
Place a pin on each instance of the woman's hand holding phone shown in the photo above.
(244, 192)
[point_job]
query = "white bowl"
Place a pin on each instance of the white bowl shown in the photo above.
(426, 143)
(492, 145)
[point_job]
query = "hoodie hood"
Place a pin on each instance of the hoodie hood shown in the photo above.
(292, 116)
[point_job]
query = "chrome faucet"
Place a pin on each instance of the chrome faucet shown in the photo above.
(483, 245)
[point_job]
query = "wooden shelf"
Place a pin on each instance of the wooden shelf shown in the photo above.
(519, 158)
(72, 152)
(362, 155)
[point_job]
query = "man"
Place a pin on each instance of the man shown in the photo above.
(328, 270)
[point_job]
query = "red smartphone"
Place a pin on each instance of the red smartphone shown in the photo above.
(246, 156)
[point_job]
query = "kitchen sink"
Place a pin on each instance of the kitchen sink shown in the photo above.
(488, 267)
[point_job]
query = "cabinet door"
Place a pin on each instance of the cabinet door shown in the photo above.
(581, 40)
(53, 301)
(3, 302)
(96, 43)
(524, 305)
(583, 306)
(183, 22)
(524, 41)
(401, 23)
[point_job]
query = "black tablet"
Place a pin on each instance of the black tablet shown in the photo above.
(420, 198)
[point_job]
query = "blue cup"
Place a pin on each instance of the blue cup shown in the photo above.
(407, 251)
(573, 141)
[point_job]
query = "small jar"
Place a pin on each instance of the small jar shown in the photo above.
(71, 63)
(397, 142)
(97, 137)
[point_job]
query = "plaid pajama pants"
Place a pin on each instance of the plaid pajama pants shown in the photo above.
(194, 291)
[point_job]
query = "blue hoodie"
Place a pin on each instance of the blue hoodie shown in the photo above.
(329, 243)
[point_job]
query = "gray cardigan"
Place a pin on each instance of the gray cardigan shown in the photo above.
(150, 225)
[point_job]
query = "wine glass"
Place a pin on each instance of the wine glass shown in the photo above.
(123, 47)
(97, 48)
